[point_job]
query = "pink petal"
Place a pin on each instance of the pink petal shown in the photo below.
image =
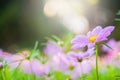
(79, 41)
(105, 33)
(95, 31)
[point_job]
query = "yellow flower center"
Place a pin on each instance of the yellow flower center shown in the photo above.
(118, 55)
(71, 67)
(92, 38)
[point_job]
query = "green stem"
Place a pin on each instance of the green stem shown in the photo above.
(3, 70)
(3, 75)
(16, 69)
(35, 47)
(96, 46)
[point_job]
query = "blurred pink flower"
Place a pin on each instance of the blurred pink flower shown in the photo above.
(52, 48)
(59, 62)
(112, 56)
(71, 67)
(112, 43)
(80, 55)
(4, 55)
(76, 69)
(30, 66)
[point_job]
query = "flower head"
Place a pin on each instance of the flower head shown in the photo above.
(52, 48)
(80, 55)
(59, 62)
(30, 66)
(4, 55)
(76, 69)
(112, 56)
(98, 34)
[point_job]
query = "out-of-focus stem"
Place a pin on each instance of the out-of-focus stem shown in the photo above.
(96, 48)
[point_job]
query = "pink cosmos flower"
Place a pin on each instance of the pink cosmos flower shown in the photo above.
(112, 43)
(69, 66)
(112, 56)
(110, 53)
(59, 62)
(96, 35)
(76, 69)
(80, 55)
(4, 55)
(30, 66)
(52, 48)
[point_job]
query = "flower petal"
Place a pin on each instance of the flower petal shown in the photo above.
(79, 42)
(105, 33)
(72, 55)
(95, 31)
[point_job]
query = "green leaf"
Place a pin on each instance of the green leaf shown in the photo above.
(117, 19)
(56, 38)
(118, 13)
(107, 45)
(48, 38)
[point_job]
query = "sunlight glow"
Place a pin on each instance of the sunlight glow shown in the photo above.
(93, 2)
(50, 9)
(76, 24)
(71, 13)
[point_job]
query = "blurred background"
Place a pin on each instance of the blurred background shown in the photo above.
(22, 22)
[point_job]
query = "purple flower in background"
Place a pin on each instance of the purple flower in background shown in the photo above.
(15, 60)
(4, 55)
(96, 35)
(80, 55)
(67, 63)
(30, 66)
(112, 56)
(110, 53)
(76, 69)
(46, 68)
(52, 48)
(59, 62)
(112, 43)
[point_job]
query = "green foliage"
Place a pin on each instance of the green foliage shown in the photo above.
(118, 18)
(58, 75)
(109, 73)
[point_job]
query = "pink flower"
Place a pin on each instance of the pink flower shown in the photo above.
(69, 66)
(52, 48)
(80, 55)
(76, 69)
(30, 66)
(4, 55)
(59, 62)
(112, 56)
(112, 43)
(98, 34)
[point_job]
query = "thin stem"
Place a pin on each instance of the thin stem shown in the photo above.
(3, 75)
(3, 70)
(35, 47)
(15, 70)
(96, 46)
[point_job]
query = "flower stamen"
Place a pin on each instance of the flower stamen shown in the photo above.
(92, 38)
